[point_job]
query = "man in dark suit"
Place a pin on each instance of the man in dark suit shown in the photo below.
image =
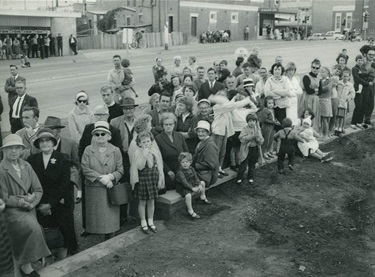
(73, 44)
(164, 107)
(101, 114)
(17, 104)
(70, 148)
(10, 83)
(211, 86)
(115, 110)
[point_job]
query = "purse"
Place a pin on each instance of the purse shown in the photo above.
(119, 194)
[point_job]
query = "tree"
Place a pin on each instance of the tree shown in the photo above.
(108, 21)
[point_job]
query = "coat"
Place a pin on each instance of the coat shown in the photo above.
(119, 123)
(10, 86)
(204, 91)
(206, 161)
(101, 216)
(25, 234)
(77, 121)
(29, 143)
(171, 150)
(27, 101)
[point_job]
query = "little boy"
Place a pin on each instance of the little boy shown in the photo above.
(251, 138)
(128, 82)
(288, 137)
(188, 183)
(345, 91)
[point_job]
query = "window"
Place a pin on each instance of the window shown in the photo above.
(128, 21)
(234, 17)
(349, 19)
(338, 22)
(140, 18)
(213, 17)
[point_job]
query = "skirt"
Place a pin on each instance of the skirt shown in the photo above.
(341, 112)
(325, 107)
(147, 188)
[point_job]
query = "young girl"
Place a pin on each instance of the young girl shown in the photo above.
(335, 103)
(146, 190)
(251, 138)
(188, 183)
(325, 104)
(129, 81)
(307, 113)
(268, 122)
(288, 137)
(311, 146)
(345, 91)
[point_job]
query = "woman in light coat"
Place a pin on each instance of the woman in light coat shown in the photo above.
(21, 191)
(102, 167)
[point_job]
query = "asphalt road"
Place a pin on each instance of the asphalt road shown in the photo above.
(55, 81)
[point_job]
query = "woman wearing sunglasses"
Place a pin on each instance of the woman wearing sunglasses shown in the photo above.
(80, 116)
(102, 167)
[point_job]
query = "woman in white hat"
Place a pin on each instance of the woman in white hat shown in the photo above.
(80, 116)
(21, 192)
(102, 167)
(53, 171)
(205, 159)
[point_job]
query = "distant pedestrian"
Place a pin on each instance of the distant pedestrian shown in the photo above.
(246, 32)
(73, 44)
(59, 45)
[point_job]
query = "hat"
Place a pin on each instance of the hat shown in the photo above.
(53, 122)
(307, 120)
(203, 124)
(12, 140)
(204, 101)
(128, 102)
(44, 133)
(248, 82)
(101, 126)
(160, 73)
(82, 94)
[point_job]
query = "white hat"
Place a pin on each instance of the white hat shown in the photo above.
(101, 126)
(12, 140)
(204, 101)
(203, 124)
(82, 94)
(307, 120)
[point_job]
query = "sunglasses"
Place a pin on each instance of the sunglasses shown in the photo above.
(100, 134)
(314, 67)
(81, 101)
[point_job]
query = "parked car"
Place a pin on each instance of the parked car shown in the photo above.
(316, 36)
(333, 35)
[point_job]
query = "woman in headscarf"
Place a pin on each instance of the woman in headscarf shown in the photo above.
(21, 191)
(102, 167)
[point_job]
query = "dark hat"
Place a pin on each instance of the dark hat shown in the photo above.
(53, 122)
(160, 73)
(44, 133)
(128, 102)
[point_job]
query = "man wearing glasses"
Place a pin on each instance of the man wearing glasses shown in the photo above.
(310, 98)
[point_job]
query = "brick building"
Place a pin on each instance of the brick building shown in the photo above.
(361, 7)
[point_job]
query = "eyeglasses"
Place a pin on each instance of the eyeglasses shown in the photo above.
(81, 101)
(371, 55)
(100, 134)
(100, 114)
(314, 67)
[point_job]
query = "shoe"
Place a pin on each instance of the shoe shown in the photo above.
(360, 126)
(31, 274)
(353, 126)
(234, 168)
(84, 234)
(239, 182)
(267, 157)
(336, 133)
(220, 176)
(206, 201)
(153, 228)
(290, 167)
(144, 230)
(251, 181)
(364, 126)
(223, 173)
(78, 200)
(194, 216)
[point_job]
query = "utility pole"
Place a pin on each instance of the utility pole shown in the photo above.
(166, 37)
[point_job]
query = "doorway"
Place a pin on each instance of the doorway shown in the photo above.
(194, 20)
(170, 24)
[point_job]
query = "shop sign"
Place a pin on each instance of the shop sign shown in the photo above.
(268, 10)
(287, 4)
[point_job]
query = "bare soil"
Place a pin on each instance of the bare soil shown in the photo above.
(315, 221)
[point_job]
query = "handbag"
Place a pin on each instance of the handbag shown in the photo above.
(119, 194)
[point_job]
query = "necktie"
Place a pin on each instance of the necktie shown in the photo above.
(211, 85)
(18, 105)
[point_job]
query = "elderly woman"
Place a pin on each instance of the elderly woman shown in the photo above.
(171, 144)
(80, 116)
(278, 86)
(204, 113)
(295, 92)
(21, 191)
(141, 124)
(177, 69)
(205, 159)
(53, 171)
(102, 167)
(154, 103)
(187, 79)
(184, 111)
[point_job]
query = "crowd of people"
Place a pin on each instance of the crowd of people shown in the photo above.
(192, 131)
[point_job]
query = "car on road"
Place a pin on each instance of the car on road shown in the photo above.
(315, 36)
(333, 35)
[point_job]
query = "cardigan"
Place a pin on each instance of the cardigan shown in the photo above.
(77, 121)
(279, 90)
